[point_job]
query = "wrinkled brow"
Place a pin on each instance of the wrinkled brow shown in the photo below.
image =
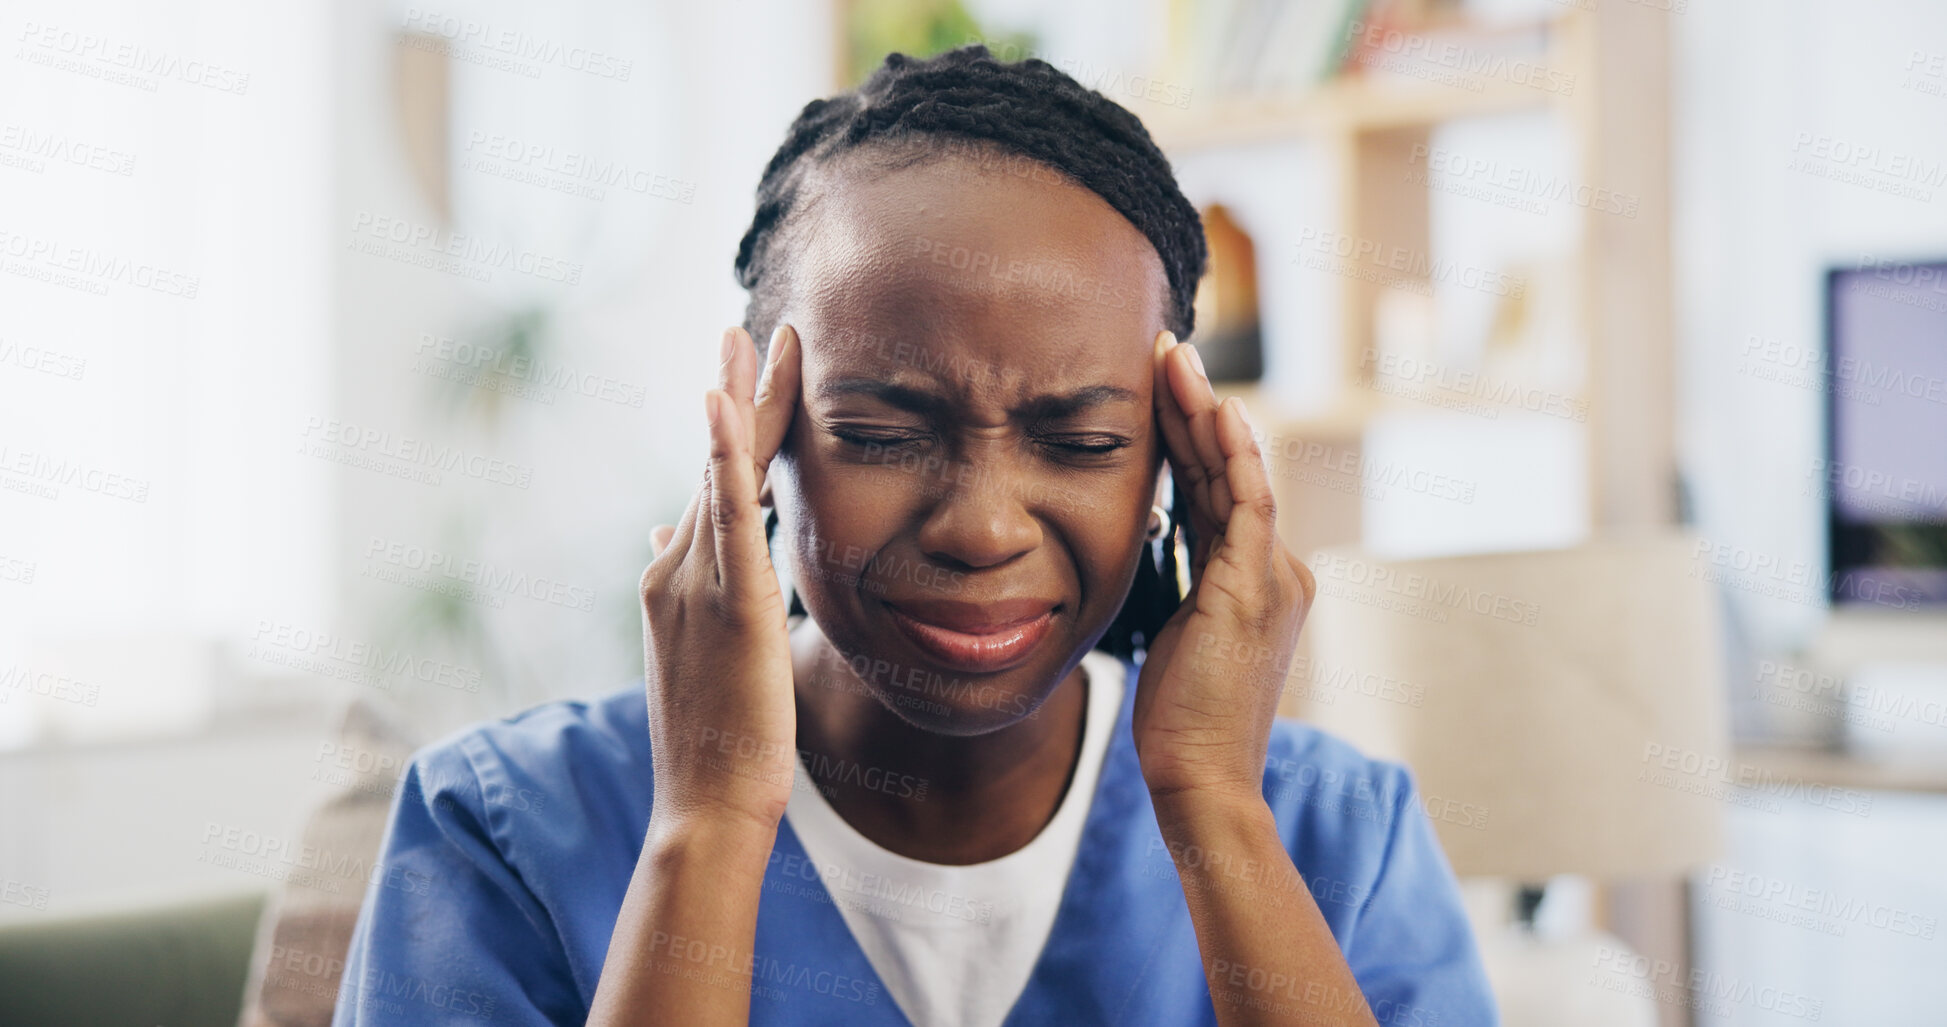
(906, 397)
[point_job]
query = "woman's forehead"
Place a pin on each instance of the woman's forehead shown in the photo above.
(960, 272)
(957, 227)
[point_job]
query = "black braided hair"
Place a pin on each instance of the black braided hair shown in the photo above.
(966, 101)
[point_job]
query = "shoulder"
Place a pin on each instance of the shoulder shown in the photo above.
(522, 775)
(1337, 809)
(1320, 770)
(1358, 830)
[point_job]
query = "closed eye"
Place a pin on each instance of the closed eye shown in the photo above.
(1084, 445)
(878, 437)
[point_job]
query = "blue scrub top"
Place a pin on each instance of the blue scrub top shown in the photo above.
(512, 843)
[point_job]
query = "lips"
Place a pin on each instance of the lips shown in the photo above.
(978, 638)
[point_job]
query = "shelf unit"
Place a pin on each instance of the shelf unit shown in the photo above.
(1369, 128)
(1618, 118)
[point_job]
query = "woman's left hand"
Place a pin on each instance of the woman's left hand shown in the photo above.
(1210, 683)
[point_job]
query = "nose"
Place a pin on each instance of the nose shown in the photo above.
(982, 518)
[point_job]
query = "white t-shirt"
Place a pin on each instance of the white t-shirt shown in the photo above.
(955, 945)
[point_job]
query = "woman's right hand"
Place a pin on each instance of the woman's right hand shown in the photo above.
(716, 653)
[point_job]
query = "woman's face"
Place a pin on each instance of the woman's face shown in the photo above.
(967, 481)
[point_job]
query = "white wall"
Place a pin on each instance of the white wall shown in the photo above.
(1754, 237)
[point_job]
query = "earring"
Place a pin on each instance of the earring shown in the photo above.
(1159, 523)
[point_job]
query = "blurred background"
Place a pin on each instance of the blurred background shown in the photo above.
(349, 350)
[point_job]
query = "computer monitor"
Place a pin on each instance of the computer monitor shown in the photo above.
(1885, 466)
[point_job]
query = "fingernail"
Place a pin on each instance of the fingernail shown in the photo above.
(1242, 414)
(777, 336)
(1169, 340)
(1196, 360)
(729, 345)
(710, 407)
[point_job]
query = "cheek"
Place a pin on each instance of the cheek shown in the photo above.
(832, 525)
(1105, 536)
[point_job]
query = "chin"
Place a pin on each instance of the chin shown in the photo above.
(949, 702)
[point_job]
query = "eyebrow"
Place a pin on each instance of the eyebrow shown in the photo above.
(905, 397)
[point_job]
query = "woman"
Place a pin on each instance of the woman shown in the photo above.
(972, 276)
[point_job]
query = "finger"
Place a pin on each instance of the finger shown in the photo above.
(1198, 400)
(1185, 466)
(735, 520)
(777, 397)
(659, 537)
(683, 538)
(737, 376)
(1253, 525)
(1170, 420)
(1307, 582)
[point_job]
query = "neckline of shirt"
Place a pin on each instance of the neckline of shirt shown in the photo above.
(1103, 678)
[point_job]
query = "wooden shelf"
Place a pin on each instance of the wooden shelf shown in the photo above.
(1351, 104)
